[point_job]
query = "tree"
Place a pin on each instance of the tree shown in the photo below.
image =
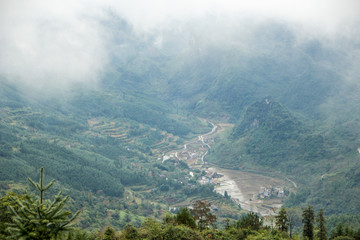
(321, 234)
(109, 234)
(294, 216)
(357, 234)
(271, 221)
(282, 221)
(227, 224)
(81, 235)
(250, 220)
(34, 219)
(150, 229)
(308, 223)
(179, 232)
(127, 217)
(343, 238)
(226, 195)
(130, 232)
(201, 213)
(338, 232)
(184, 217)
(5, 214)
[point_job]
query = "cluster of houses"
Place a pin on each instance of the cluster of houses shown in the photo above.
(271, 192)
(175, 209)
(209, 176)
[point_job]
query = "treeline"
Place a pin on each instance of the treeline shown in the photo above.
(25, 216)
(199, 223)
(196, 223)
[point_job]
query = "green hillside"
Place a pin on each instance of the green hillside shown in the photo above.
(104, 149)
(271, 139)
(293, 102)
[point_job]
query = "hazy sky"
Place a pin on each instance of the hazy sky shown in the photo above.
(53, 44)
(325, 13)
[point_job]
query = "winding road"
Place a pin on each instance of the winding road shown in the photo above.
(241, 186)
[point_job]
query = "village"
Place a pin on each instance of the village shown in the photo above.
(264, 193)
(251, 191)
(271, 192)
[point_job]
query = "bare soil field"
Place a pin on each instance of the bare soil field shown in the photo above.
(244, 187)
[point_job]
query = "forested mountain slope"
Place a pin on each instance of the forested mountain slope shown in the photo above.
(294, 101)
(98, 145)
(271, 139)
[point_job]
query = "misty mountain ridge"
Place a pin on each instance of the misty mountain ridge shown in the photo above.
(292, 97)
(271, 59)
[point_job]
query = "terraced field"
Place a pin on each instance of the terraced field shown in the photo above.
(133, 133)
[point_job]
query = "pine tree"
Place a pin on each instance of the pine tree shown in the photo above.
(308, 221)
(5, 213)
(282, 221)
(34, 219)
(322, 235)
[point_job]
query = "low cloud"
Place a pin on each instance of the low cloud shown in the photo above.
(50, 44)
(54, 44)
(327, 15)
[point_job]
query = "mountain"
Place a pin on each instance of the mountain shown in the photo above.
(271, 139)
(98, 145)
(293, 100)
(223, 77)
(271, 135)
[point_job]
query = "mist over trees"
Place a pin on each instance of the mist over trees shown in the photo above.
(107, 96)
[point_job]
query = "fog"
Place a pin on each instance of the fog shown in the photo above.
(325, 14)
(52, 45)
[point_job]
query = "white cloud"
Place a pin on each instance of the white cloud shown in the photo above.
(53, 44)
(323, 13)
(50, 44)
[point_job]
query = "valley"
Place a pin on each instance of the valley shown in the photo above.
(249, 113)
(241, 187)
